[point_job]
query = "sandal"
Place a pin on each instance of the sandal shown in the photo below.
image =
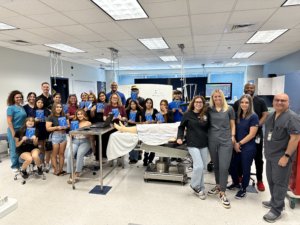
(69, 181)
(62, 173)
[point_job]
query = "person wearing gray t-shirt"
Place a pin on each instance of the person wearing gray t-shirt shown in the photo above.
(282, 135)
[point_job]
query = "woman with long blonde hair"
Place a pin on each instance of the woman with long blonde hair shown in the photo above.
(221, 137)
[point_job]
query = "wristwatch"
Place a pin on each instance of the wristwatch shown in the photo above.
(287, 155)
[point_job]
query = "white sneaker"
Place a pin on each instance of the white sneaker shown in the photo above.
(202, 195)
(224, 200)
(47, 168)
(15, 170)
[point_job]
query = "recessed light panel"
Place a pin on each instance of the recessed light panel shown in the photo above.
(122, 9)
(104, 60)
(154, 43)
(65, 48)
(4, 26)
(265, 36)
(242, 55)
(291, 3)
(169, 58)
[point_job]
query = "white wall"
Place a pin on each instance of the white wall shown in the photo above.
(25, 72)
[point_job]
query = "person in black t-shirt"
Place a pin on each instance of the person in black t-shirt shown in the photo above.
(26, 143)
(46, 96)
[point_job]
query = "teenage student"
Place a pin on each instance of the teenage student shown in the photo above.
(57, 124)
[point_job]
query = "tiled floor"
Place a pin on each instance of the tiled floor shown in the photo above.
(130, 201)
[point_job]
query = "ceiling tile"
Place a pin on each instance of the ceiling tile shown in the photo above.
(28, 7)
(200, 25)
(257, 4)
(53, 19)
(140, 28)
(156, 9)
(6, 13)
(67, 5)
(285, 17)
(204, 6)
(22, 22)
(54, 35)
(171, 22)
(75, 30)
(94, 15)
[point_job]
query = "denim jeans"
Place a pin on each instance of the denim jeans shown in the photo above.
(199, 156)
(134, 155)
(58, 137)
(80, 148)
(14, 157)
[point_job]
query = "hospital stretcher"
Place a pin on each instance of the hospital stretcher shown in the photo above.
(162, 169)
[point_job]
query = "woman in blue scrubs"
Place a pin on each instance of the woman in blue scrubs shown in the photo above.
(244, 148)
(16, 116)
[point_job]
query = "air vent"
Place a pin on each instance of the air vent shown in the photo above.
(241, 26)
(21, 42)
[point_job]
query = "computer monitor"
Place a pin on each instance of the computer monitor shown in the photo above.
(225, 87)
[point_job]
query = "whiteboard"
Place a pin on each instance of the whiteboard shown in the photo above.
(155, 91)
(271, 86)
(80, 86)
(278, 85)
(264, 86)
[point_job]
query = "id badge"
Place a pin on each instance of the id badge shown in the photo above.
(269, 136)
(257, 139)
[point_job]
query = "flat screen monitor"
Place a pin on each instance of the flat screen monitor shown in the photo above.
(225, 87)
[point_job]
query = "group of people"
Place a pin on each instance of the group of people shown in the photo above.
(52, 120)
(232, 136)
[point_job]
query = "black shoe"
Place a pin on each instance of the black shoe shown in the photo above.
(140, 155)
(24, 174)
(233, 186)
(145, 164)
(40, 170)
(132, 161)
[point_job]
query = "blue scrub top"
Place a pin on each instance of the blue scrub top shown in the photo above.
(243, 129)
(177, 114)
(18, 115)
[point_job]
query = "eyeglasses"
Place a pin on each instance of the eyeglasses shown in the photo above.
(280, 100)
(198, 102)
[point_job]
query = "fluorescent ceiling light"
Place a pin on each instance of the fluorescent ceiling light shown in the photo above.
(122, 9)
(4, 26)
(154, 43)
(242, 55)
(169, 58)
(65, 48)
(175, 66)
(232, 64)
(291, 2)
(104, 60)
(266, 36)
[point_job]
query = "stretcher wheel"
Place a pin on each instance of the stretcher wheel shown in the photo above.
(73, 187)
(292, 203)
(146, 180)
(15, 178)
(94, 173)
(23, 182)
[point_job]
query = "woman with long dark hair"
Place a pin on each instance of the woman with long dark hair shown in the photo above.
(245, 147)
(16, 116)
(195, 123)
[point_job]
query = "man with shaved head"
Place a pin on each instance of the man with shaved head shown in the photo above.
(282, 135)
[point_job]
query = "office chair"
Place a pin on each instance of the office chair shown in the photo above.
(31, 170)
